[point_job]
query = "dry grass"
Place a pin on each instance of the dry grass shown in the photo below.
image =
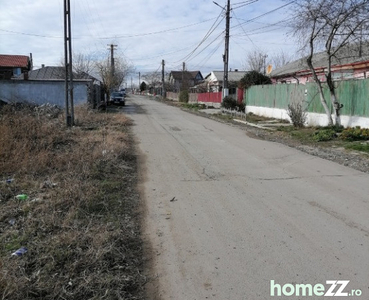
(80, 222)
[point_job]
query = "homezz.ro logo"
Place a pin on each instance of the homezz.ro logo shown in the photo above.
(336, 288)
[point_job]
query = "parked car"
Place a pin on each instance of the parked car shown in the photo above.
(123, 91)
(117, 98)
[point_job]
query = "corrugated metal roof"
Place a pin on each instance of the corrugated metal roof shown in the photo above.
(348, 55)
(188, 75)
(232, 75)
(14, 61)
(45, 73)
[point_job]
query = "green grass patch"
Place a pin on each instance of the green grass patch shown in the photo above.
(362, 147)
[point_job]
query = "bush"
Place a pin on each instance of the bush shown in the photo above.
(229, 103)
(355, 134)
(297, 114)
(253, 78)
(324, 135)
(183, 96)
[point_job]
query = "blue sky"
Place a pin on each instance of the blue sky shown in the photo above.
(146, 31)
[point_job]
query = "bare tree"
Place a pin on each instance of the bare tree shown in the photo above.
(153, 80)
(82, 64)
(280, 59)
(112, 80)
(330, 25)
(256, 61)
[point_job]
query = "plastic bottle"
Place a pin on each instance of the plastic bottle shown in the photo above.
(22, 197)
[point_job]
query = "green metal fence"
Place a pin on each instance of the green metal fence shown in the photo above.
(353, 94)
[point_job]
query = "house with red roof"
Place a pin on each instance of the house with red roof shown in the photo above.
(14, 65)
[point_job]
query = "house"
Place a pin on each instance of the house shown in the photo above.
(14, 65)
(351, 62)
(47, 85)
(214, 80)
(184, 79)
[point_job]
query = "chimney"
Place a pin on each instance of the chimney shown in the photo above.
(42, 66)
(30, 62)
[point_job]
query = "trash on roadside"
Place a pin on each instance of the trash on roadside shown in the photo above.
(36, 200)
(20, 251)
(8, 181)
(12, 221)
(173, 199)
(48, 184)
(22, 197)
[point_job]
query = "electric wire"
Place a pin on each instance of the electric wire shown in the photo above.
(207, 35)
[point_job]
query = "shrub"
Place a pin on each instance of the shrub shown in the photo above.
(355, 134)
(229, 103)
(324, 135)
(253, 78)
(183, 96)
(297, 114)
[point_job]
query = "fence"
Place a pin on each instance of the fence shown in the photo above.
(273, 100)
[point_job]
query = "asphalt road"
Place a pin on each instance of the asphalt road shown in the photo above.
(227, 214)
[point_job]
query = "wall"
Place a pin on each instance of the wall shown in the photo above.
(40, 92)
(272, 101)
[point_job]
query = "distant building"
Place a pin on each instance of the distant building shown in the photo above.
(214, 80)
(351, 62)
(14, 65)
(184, 79)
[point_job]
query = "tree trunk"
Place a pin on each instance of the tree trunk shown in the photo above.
(321, 93)
(336, 105)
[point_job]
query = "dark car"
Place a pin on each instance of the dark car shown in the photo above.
(117, 98)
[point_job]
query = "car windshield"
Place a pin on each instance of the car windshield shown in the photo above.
(117, 95)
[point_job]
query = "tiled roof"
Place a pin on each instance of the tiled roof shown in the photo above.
(14, 61)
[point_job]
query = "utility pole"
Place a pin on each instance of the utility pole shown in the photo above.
(112, 65)
(162, 78)
(139, 81)
(183, 71)
(69, 105)
(226, 51)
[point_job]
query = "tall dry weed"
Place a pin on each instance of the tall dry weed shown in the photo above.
(79, 223)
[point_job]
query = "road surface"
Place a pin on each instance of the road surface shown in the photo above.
(227, 214)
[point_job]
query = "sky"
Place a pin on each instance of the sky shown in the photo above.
(147, 31)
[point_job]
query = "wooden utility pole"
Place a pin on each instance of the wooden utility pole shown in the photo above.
(69, 105)
(112, 65)
(163, 78)
(226, 51)
(183, 71)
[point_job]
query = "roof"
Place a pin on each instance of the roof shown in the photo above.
(45, 73)
(14, 61)
(350, 54)
(188, 75)
(232, 75)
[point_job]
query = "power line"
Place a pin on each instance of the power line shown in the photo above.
(207, 35)
(157, 32)
(265, 14)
